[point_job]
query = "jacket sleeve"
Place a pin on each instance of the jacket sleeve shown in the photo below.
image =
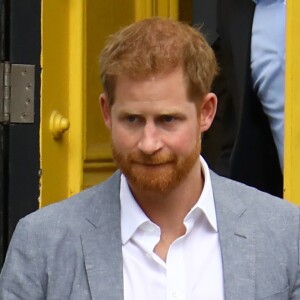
(20, 276)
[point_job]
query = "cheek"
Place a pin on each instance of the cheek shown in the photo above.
(122, 139)
(186, 140)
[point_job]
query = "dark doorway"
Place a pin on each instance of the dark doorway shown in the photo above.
(19, 142)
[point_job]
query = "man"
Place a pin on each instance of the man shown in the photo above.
(249, 125)
(164, 226)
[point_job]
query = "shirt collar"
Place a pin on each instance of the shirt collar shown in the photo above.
(206, 202)
(132, 216)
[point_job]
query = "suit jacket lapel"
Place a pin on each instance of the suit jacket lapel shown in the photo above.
(237, 240)
(101, 245)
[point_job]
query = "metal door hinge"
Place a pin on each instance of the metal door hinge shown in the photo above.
(16, 93)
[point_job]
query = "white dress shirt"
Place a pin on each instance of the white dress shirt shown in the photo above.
(193, 268)
(268, 64)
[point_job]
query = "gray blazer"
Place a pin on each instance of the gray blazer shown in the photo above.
(73, 250)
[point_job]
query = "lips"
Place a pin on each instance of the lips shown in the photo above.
(153, 160)
(152, 164)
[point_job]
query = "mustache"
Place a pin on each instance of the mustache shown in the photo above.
(153, 159)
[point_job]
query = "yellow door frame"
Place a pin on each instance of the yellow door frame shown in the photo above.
(292, 105)
(62, 98)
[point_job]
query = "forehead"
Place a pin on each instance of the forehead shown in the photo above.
(154, 95)
(152, 88)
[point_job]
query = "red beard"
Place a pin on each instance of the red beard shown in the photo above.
(157, 172)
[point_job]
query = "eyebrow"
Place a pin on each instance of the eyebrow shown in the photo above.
(174, 113)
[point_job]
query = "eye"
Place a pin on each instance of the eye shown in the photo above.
(132, 118)
(167, 118)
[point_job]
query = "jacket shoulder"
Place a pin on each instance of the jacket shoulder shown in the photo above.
(236, 195)
(79, 206)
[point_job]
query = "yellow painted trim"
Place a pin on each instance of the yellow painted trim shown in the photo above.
(167, 8)
(63, 91)
(292, 106)
(151, 8)
(174, 9)
(77, 92)
(143, 9)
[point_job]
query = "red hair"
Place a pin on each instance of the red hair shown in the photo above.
(154, 46)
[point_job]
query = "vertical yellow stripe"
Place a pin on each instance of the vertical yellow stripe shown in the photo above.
(168, 8)
(150, 8)
(77, 101)
(292, 106)
(143, 9)
(174, 9)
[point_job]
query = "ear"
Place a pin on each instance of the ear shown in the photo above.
(106, 110)
(208, 111)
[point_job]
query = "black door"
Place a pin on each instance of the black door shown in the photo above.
(20, 27)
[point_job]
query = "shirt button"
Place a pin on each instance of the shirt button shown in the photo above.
(175, 295)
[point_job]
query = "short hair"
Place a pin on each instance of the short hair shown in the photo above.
(155, 46)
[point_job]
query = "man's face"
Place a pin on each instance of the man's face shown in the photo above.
(155, 130)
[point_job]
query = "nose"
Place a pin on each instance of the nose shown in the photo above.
(150, 141)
